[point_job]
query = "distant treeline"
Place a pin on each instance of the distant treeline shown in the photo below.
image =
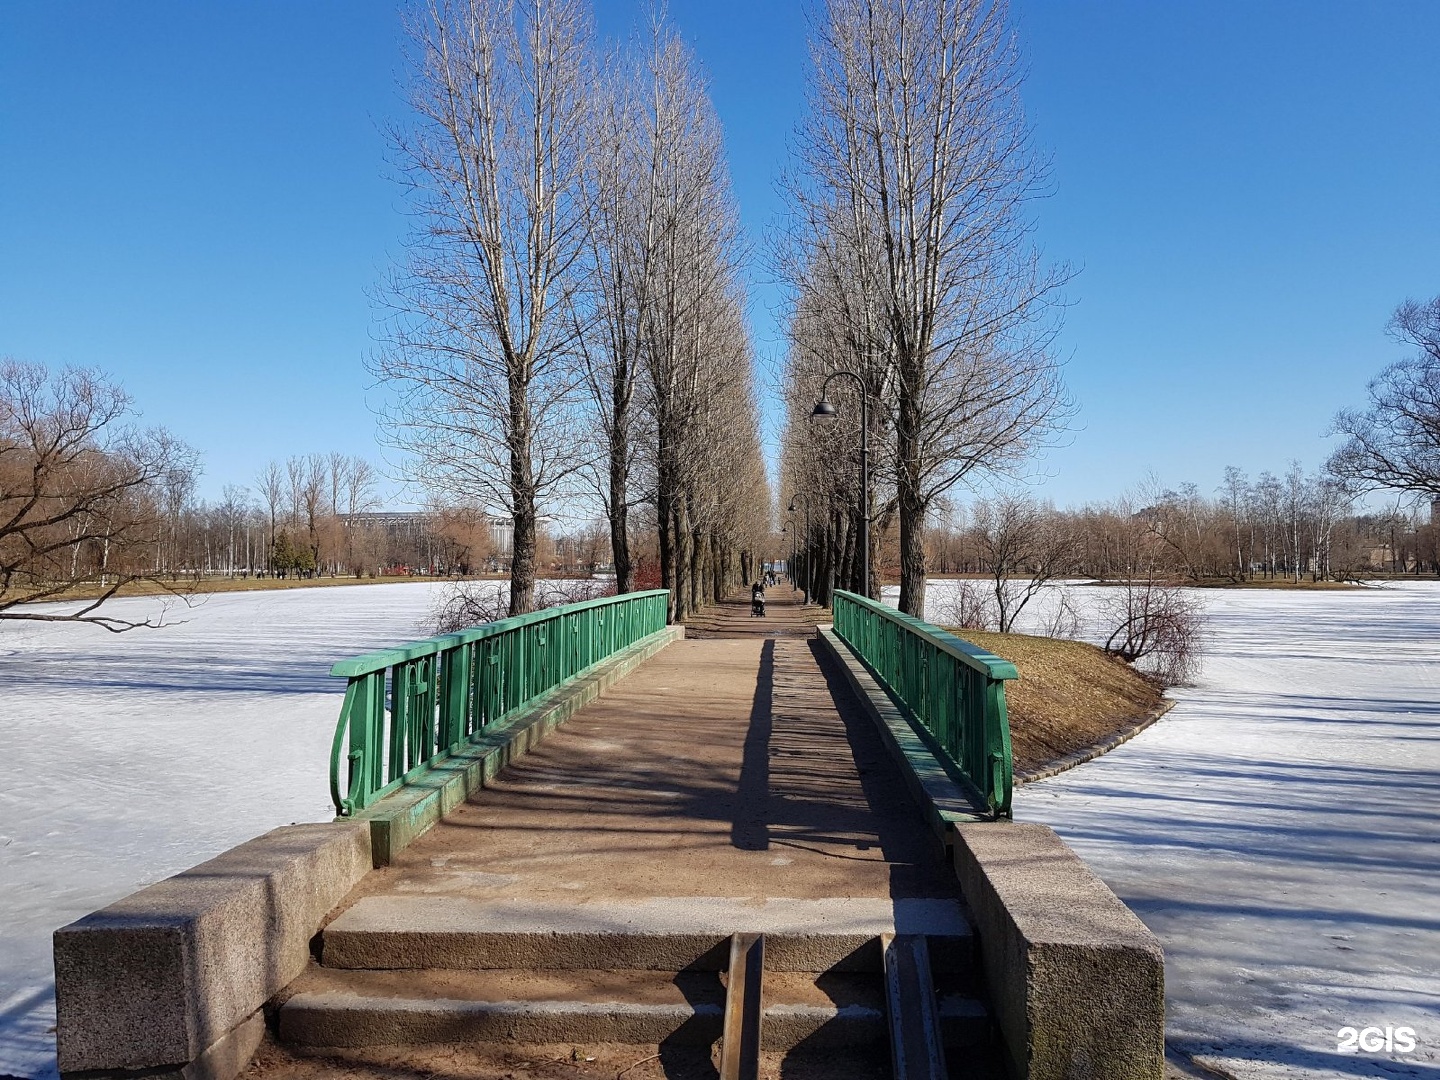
(1292, 526)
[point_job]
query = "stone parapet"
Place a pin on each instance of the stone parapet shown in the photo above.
(1076, 981)
(172, 977)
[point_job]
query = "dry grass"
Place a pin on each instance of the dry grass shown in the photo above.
(189, 587)
(1069, 696)
(1303, 585)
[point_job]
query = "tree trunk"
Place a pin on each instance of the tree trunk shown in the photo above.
(912, 544)
(717, 570)
(522, 503)
(849, 575)
(911, 503)
(619, 506)
(697, 562)
(522, 558)
(619, 512)
(667, 513)
(664, 504)
(679, 541)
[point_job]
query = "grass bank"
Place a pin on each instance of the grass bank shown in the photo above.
(1284, 584)
(1203, 583)
(205, 586)
(1070, 696)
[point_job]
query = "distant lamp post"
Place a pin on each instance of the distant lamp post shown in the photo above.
(825, 412)
(790, 563)
(809, 554)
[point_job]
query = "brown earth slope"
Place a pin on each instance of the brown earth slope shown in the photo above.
(1069, 696)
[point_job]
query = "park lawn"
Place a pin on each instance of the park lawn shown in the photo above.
(1069, 696)
(187, 586)
(1207, 583)
(1303, 585)
(190, 587)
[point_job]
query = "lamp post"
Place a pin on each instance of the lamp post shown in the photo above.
(809, 553)
(790, 565)
(825, 410)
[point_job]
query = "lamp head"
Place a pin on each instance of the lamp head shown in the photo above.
(824, 410)
(792, 508)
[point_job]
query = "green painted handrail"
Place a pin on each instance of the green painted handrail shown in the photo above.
(406, 707)
(955, 690)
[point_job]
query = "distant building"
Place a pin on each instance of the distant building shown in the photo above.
(411, 540)
(502, 535)
(395, 522)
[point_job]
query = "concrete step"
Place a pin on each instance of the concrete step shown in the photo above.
(658, 934)
(332, 1009)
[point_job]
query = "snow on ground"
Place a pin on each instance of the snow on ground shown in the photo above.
(1279, 830)
(125, 759)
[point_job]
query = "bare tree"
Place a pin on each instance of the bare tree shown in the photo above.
(337, 471)
(702, 451)
(1143, 615)
(917, 172)
(967, 605)
(480, 337)
(272, 485)
(86, 498)
(1395, 442)
(232, 512)
(621, 205)
(314, 480)
(1236, 488)
(1153, 620)
(361, 481)
(1024, 547)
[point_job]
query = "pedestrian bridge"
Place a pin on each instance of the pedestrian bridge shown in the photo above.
(750, 846)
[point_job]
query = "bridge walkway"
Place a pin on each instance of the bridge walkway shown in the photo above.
(731, 784)
(729, 765)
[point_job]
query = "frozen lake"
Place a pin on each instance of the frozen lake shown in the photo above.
(127, 758)
(1279, 829)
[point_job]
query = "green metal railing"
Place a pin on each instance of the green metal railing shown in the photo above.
(405, 707)
(954, 689)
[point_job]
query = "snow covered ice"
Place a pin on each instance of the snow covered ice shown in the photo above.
(1279, 829)
(125, 759)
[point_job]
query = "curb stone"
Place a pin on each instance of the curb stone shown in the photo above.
(1093, 751)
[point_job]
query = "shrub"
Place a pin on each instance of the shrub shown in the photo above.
(1156, 622)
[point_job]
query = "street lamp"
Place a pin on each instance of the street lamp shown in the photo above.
(809, 554)
(790, 565)
(824, 410)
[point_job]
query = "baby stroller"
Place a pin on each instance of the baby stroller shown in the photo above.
(757, 599)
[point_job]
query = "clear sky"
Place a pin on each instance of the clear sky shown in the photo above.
(193, 198)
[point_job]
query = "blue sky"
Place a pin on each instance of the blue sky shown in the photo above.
(192, 197)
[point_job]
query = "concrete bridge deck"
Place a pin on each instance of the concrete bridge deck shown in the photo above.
(736, 765)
